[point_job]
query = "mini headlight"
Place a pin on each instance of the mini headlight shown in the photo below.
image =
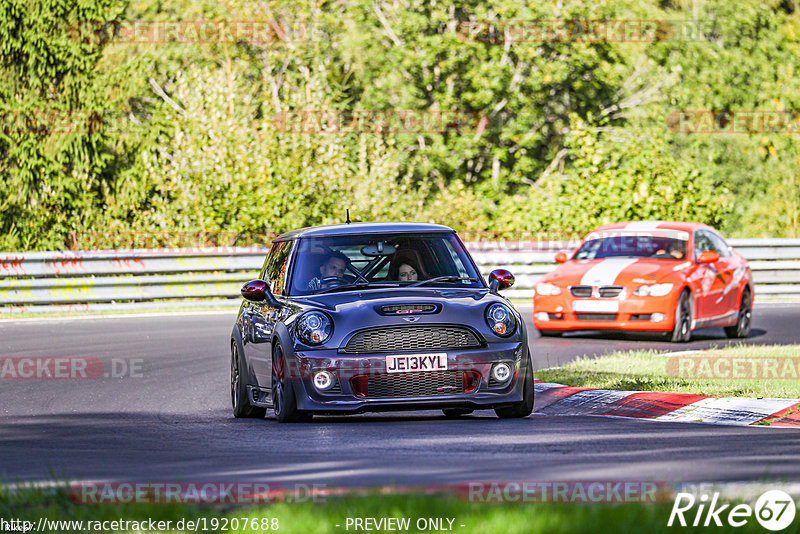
(500, 319)
(501, 372)
(547, 289)
(653, 290)
(314, 328)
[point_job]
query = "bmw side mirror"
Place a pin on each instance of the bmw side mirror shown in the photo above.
(561, 257)
(500, 279)
(708, 257)
(258, 291)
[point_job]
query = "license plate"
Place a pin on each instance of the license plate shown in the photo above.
(600, 306)
(410, 363)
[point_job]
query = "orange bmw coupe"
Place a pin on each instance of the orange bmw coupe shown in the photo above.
(647, 276)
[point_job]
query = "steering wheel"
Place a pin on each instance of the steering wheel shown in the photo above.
(332, 281)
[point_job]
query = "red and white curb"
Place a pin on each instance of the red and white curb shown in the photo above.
(558, 399)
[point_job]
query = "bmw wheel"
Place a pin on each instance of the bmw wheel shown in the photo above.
(682, 331)
(742, 327)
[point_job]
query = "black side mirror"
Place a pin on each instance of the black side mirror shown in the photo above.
(500, 279)
(258, 291)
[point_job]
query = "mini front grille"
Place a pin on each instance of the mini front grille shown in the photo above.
(596, 316)
(412, 338)
(581, 291)
(432, 384)
(610, 292)
(402, 309)
(335, 389)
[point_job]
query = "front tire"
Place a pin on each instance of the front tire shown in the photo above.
(524, 408)
(284, 402)
(682, 331)
(742, 327)
(239, 399)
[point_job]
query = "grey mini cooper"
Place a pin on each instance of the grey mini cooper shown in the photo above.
(370, 317)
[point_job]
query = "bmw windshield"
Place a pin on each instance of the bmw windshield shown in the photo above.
(342, 263)
(638, 246)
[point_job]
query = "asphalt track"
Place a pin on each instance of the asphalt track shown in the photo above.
(171, 420)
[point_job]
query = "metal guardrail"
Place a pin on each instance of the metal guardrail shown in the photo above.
(108, 280)
(775, 263)
(202, 277)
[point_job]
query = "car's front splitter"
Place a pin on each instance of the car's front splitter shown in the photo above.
(346, 368)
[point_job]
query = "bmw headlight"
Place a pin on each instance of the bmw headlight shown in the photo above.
(653, 290)
(547, 289)
(314, 328)
(500, 319)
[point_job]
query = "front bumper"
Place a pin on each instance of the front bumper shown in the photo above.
(344, 398)
(634, 313)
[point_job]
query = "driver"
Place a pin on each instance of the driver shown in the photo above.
(333, 266)
(677, 249)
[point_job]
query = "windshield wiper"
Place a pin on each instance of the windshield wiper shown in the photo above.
(355, 285)
(444, 279)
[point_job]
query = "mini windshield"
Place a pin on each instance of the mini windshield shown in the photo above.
(638, 246)
(342, 263)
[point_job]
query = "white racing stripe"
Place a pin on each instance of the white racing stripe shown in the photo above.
(589, 402)
(642, 225)
(605, 272)
(728, 410)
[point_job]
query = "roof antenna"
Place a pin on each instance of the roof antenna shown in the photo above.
(348, 217)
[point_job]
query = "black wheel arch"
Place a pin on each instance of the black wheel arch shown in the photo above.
(246, 370)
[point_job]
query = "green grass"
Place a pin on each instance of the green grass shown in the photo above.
(322, 517)
(651, 371)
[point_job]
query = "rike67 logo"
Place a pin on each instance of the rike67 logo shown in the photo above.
(774, 510)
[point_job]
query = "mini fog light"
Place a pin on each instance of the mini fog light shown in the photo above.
(323, 380)
(501, 372)
(657, 317)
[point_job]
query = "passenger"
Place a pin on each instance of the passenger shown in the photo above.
(407, 273)
(676, 249)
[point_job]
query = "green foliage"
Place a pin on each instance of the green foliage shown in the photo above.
(53, 155)
(616, 175)
(184, 138)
